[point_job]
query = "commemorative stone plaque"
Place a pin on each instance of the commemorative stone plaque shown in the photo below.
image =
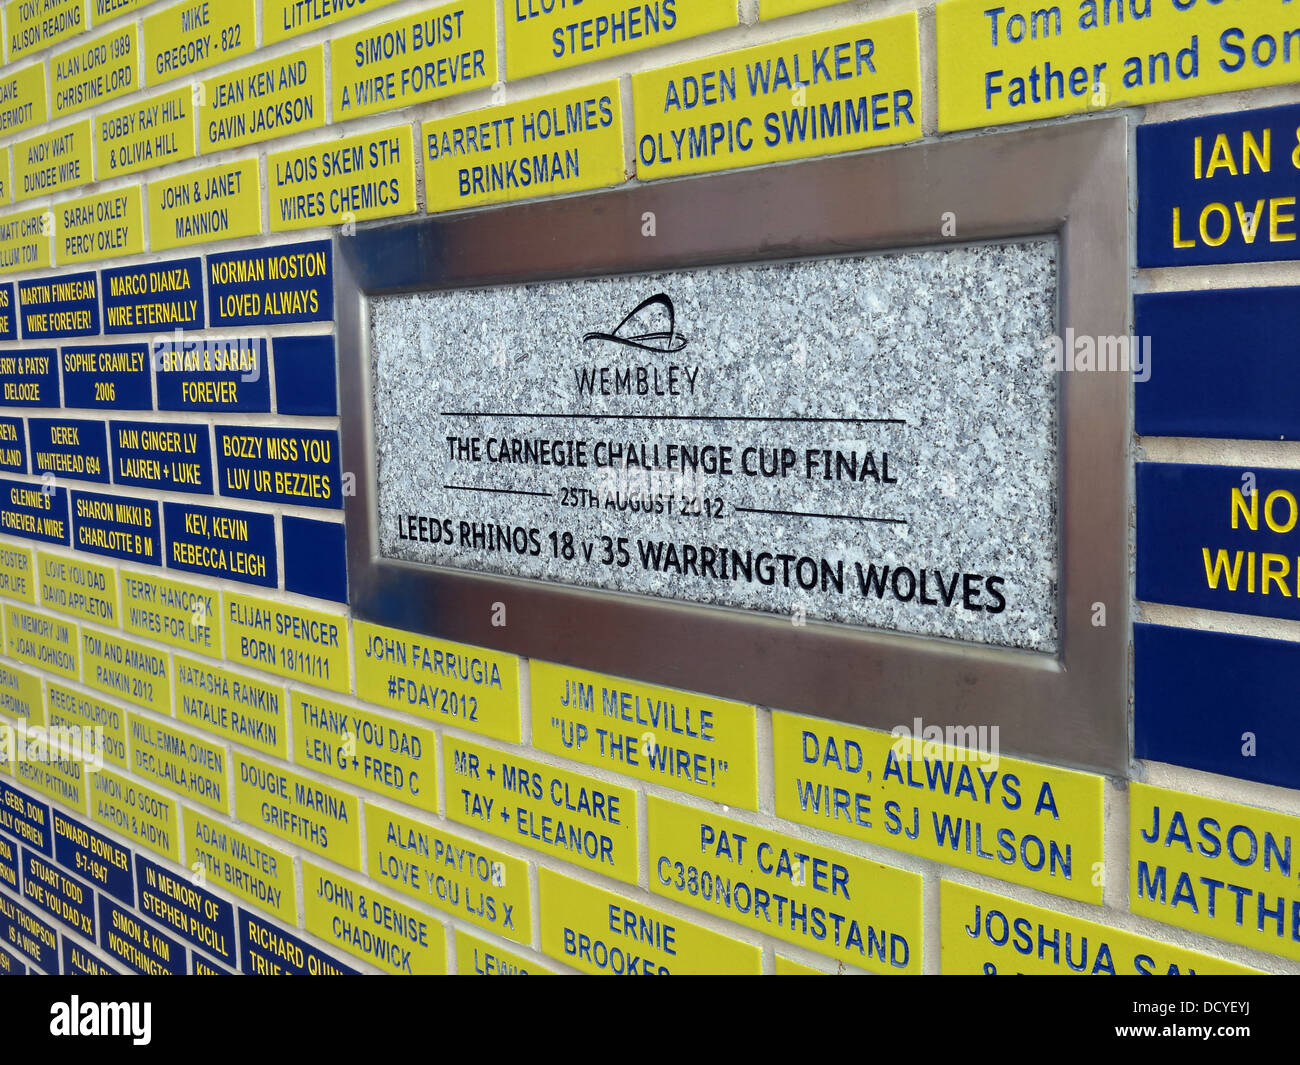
(815, 437)
(801, 436)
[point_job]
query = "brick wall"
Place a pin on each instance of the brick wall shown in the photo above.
(285, 788)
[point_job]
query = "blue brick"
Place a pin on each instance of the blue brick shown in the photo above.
(184, 465)
(118, 526)
(154, 297)
(305, 376)
(62, 305)
(54, 452)
(1184, 510)
(232, 544)
(1168, 178)
(45, 956)
(294, 466)
(71, 902)
(161, 952)
(205, 919)
(9, 867)
(315, 558)
(29, 377)
(265, 949)
(31, 813)
(13, 445)
(1197, 693)
(124, 385)
(11, 964)
(80, 962)
(213, 375)
(45, 519)
(288, 283)
(1223, 364)
(105, 863)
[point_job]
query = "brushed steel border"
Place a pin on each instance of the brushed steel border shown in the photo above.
(1070, 180)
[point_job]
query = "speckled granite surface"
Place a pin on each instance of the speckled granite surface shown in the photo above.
(782, 364)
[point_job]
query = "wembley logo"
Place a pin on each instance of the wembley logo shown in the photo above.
(660, 337)
(121, 1019)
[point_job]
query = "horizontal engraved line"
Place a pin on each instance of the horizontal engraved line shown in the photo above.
(670, 417)
(809, 514)
(500, 491)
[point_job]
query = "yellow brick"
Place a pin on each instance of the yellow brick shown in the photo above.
(69, 707)
(54, 762)
(1021, 821)
(444, 682)
(854, 910)
(30, 27)
(296, 808)
(78, 588)
(17, 576)
(91, 73)
(376, 928)
(127, 670)
(565, 815)
(352, 179)
(145, 134)
(25, 239)
(365, 748)
(99, 227)
(10, 729)
(694, 743)
(543, 146)
(270, 98)
(184, 615)
(835, 91)
(60, 159)
(193, 768)
(63, 778)
(102, 11)
(449, 872)
(189, 37)
(217, 203)
(23, 96)
(282, 19)
(541, 37)
(21, 696)
(478, 957)
(290, 641)
(439, 51)
(253, 870)
(985, 934)
(239, 708)
(129, 808)
(600, 932)
(42, 641)
(998, 64)
(1215, 867)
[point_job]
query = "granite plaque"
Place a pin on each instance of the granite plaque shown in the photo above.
(798, 436)
(868, 440)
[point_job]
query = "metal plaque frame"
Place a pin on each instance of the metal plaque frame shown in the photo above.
(1068, 180)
